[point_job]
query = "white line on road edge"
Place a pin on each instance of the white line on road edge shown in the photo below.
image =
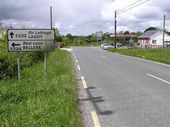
(159, 78)
(78, 67)
(150, 61)
(95, 119)
(84, 82)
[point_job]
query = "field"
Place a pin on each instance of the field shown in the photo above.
(39, 100)
(158, 54)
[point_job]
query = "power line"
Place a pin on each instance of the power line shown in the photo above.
(131, 7)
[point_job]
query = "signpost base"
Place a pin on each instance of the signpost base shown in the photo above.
(19, 68)
(45, 63)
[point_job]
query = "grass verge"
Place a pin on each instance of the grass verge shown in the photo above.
(39, 101)
(158, 54)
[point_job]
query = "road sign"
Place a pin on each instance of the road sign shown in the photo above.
(99, 36)
(17, 46)
(30, 40)
(28, 34)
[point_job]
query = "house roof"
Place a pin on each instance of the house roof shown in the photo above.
(124, 35)
(148, 34)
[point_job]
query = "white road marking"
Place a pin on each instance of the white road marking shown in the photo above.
(84, 82)
(159, 78)
(76, 61)
(78, 67)
(145, 60)
(95, 119)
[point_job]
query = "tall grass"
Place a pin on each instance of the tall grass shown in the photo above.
(158, 54)
(8, 64)
(39, 100)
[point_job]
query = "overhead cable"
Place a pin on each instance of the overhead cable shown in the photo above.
(138, 3)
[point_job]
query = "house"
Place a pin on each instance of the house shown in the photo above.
(154, 39)
(2, 32)
(124, 35)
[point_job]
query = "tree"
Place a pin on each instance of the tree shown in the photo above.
(106, 37)
(151, 28)
(57, 33)
(126, 32)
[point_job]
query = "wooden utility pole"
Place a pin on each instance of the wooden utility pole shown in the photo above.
(164, 30)
(115, 28)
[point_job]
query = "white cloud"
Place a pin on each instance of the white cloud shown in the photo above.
(138, 18)
(84, 16)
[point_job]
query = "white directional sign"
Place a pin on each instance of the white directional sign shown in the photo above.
(17, 34)
(30, 40)
(30, 46)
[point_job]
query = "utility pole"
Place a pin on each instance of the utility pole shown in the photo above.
(115, 28)
(51, 18)
(164, 30)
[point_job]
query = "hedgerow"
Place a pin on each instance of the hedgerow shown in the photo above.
(8, 60)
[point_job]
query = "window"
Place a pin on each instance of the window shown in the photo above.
(153, 41)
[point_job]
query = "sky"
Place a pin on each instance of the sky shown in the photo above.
(84, 17)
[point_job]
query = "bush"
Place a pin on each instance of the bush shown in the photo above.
(8, 60)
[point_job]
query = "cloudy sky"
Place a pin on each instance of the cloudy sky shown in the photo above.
(83, 17)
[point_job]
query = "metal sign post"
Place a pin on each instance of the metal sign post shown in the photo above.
(19, 68)
(45, 53)
(30, 40)
(99, 37)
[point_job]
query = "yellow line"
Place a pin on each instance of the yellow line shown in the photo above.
(84, 82)
(95, 119)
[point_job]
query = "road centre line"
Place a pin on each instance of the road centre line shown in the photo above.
(84, 82)
(78, 67)
(76, 61)
(159, 78)
(95, 119)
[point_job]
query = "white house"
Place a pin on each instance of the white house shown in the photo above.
(153, 38)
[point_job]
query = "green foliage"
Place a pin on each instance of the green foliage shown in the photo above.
(157, 54)
(151, 28)
(126, 32)
(39, 101)
(8, 60)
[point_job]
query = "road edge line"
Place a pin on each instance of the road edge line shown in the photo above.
(84, 82)
(95, 119)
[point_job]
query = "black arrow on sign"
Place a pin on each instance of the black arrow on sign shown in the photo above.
(13, 44)
(11, 34)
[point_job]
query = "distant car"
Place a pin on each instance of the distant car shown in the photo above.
(105, 46)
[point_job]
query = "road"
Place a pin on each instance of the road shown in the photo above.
(123, 91)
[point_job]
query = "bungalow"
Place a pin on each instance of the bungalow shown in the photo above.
(153, 38)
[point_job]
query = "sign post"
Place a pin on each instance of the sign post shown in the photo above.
(30, 40)
(19, 68)
(99, 37)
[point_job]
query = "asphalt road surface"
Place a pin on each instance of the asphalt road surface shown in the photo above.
(123, 91)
